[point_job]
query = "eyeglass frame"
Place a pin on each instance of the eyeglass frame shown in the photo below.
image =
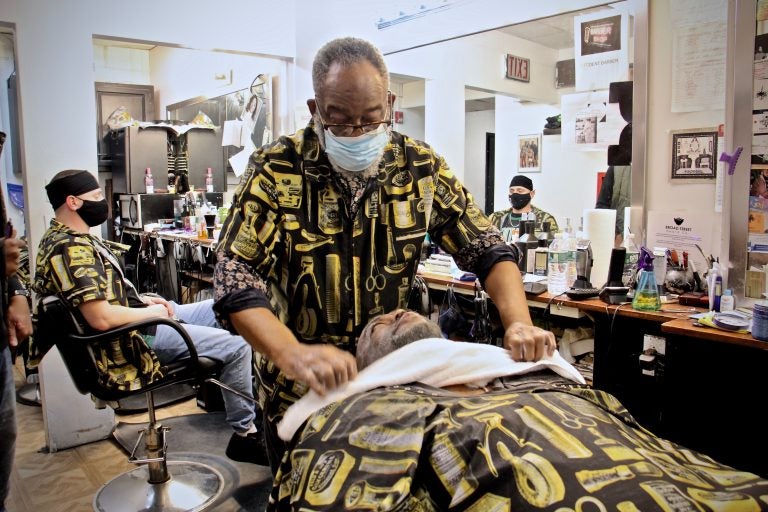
(360, 126)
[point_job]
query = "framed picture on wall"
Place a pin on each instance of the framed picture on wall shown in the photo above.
(693, 154)
(529, 155)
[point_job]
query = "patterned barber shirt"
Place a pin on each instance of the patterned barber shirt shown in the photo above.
(79, 268)
(327, 253)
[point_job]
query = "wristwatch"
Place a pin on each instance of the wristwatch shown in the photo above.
(21, 291)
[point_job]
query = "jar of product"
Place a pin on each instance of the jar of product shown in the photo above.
(760, 322)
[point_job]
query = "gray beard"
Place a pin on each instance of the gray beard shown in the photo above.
(371, 170)
(421, 331)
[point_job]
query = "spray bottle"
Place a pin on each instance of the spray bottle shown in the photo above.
(646, 294)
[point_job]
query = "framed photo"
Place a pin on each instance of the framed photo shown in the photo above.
(694, 154)
(529, 147)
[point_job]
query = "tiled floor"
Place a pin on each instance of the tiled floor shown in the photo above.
(66, 480)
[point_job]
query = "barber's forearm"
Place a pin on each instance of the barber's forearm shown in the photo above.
(505, 287)
(266, 334)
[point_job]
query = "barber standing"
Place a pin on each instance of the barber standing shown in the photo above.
(325, 230)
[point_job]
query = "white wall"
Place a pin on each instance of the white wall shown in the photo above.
(54, 46)
(567, 182)
(477, 125)
(121, 65)
(181, 74)
(662, 193)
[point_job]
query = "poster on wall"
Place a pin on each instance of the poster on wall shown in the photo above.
(529, 153)
(693, 153)
(683, 231)
(589, 122)
(601, 49)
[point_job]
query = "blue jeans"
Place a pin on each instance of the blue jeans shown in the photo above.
(214, 343)
(7, 423)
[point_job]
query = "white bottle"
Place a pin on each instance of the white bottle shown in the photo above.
(630, 261)
(149, 181)
(571, 272)
(558, 264)
(209, 180)
(727, 301)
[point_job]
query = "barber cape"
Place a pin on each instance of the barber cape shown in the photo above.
(434, 361)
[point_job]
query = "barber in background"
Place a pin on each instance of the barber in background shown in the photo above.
(521, 194)
(324, 231)
(15, 325)
(614, 195)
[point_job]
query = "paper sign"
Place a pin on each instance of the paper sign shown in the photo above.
(231, 134)
(239, 162)
(600, 41)
(682, 230)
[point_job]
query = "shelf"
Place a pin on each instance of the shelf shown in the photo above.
(759, 166)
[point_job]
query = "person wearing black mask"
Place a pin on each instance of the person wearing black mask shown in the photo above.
(80, 269)
(521, 194)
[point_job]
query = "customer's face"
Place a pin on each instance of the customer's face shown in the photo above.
(387, 333)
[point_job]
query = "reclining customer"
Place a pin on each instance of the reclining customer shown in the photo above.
(80, 269)
(403, 347)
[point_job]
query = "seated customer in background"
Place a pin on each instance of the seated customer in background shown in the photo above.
(521, 194)
(80, 269)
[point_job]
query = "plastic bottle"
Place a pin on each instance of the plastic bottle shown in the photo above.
(727, 302)
(209, 180)
(571, 272)
(715, 286)
(149, 181)
(646, 295)
(171, 183)
(630, 261)
(558, 263)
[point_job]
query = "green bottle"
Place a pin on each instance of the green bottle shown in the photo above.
(646, 294)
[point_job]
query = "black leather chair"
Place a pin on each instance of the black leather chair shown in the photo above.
(188, 485)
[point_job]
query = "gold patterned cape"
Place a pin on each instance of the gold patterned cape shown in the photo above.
(419, 448)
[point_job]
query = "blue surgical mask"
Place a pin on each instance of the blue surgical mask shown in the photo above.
(356, 153)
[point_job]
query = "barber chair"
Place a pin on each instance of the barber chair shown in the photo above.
(157, 484)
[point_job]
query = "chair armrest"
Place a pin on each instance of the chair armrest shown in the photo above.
(111, 333)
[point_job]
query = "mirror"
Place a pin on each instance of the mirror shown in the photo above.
(11, 179)
(466, 75)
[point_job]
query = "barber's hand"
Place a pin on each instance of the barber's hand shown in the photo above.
(11, 251)
(528, 343)
(18, 320)
(150, 300)
(321, 367)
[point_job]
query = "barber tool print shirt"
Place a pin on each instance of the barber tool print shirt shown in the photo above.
(328, 253)
(79, 268)
(504, 219)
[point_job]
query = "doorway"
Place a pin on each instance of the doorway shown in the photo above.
(490, 170)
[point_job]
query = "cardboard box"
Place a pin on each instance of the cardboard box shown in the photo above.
(755, 284)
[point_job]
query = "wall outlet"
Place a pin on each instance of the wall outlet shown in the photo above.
(655, 342)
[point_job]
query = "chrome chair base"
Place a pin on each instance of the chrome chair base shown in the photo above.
(192, 486)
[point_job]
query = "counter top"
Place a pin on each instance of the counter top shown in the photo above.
(689, 328)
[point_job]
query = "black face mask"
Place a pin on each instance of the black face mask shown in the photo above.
(94, 213)
(520, 201)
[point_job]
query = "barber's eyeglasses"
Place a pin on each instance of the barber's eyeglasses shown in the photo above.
(350, 129)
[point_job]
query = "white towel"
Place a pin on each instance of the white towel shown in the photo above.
(434, 361)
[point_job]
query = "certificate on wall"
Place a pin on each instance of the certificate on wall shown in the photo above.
(681, 230)
(694, 153)
(601, 49)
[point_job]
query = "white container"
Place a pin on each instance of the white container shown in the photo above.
(557, 267)
(727, 302)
